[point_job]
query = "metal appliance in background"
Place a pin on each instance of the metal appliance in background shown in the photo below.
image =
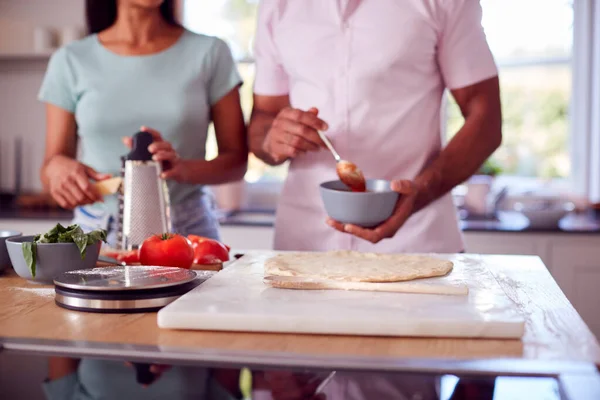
(144, 208)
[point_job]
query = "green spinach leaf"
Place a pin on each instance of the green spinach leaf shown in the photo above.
(81, 240)
(61, 234)
(29, 253)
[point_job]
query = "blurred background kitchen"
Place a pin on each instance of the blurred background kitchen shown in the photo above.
(539, 194)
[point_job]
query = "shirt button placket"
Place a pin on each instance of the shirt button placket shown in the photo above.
(345, 101)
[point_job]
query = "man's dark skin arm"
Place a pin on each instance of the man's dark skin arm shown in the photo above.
(478, 138)
(472, 145)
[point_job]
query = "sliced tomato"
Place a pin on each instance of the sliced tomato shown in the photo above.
(129, 257)
(207, 259)
(204, 246)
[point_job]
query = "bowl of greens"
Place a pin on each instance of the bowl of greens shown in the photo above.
(42, 257)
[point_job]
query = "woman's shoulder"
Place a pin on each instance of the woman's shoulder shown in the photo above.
(78, 48)
(204, 43)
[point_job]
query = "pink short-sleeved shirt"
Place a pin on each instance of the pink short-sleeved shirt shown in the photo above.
(376, 70)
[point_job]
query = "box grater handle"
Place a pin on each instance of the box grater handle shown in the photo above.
(139, 149)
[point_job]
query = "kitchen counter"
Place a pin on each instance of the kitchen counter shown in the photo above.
(506, 221)
(30, 322)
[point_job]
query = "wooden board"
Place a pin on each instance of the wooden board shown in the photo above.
(553, 329)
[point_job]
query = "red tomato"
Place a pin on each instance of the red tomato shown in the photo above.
(167, 250)
(205, 246)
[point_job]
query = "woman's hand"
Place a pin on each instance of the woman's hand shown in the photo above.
(69, 182)
(162, 151)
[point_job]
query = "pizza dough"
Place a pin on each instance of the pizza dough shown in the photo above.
(352, 266)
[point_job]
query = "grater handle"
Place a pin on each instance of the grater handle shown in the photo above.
(139, 149)
(166, 165)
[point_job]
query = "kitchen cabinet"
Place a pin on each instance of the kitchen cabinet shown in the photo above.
(531, 244)
(576, 268)
(248, 237)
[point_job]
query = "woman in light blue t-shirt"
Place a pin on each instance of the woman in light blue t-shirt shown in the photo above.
(138, 68)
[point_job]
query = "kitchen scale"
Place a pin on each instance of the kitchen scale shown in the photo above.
(124, 289)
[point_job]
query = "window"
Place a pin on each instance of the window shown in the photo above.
(235, 22)
(533, 52)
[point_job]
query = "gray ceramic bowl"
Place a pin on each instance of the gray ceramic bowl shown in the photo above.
(4, 259)
(52, 259)
(366, 209)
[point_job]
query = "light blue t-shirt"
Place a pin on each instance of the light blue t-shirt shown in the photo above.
(112, 96)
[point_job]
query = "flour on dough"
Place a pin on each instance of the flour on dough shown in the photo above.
(353, 266)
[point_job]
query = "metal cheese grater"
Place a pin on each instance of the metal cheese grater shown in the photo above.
(144, 208)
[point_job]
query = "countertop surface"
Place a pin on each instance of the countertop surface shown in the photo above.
(506, 221)
(554, 332)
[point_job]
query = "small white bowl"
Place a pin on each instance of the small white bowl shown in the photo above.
(544, 214)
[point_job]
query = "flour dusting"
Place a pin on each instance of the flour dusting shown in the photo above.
(42, 292)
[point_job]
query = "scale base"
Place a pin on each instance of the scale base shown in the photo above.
(119, 302)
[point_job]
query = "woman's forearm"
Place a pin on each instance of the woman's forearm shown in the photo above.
(226, 167)
(260, 123)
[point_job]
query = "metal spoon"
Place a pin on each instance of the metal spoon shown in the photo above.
(348, 172)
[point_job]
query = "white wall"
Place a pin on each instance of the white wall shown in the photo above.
(18, 18)
(20, 112)
(22, 115)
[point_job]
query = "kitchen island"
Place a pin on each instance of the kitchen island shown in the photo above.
(568, 251)
(30, 322)
(557, 347)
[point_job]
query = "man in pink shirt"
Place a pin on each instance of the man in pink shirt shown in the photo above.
(371, 74)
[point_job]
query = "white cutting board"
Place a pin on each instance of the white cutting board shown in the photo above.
(236, 299)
